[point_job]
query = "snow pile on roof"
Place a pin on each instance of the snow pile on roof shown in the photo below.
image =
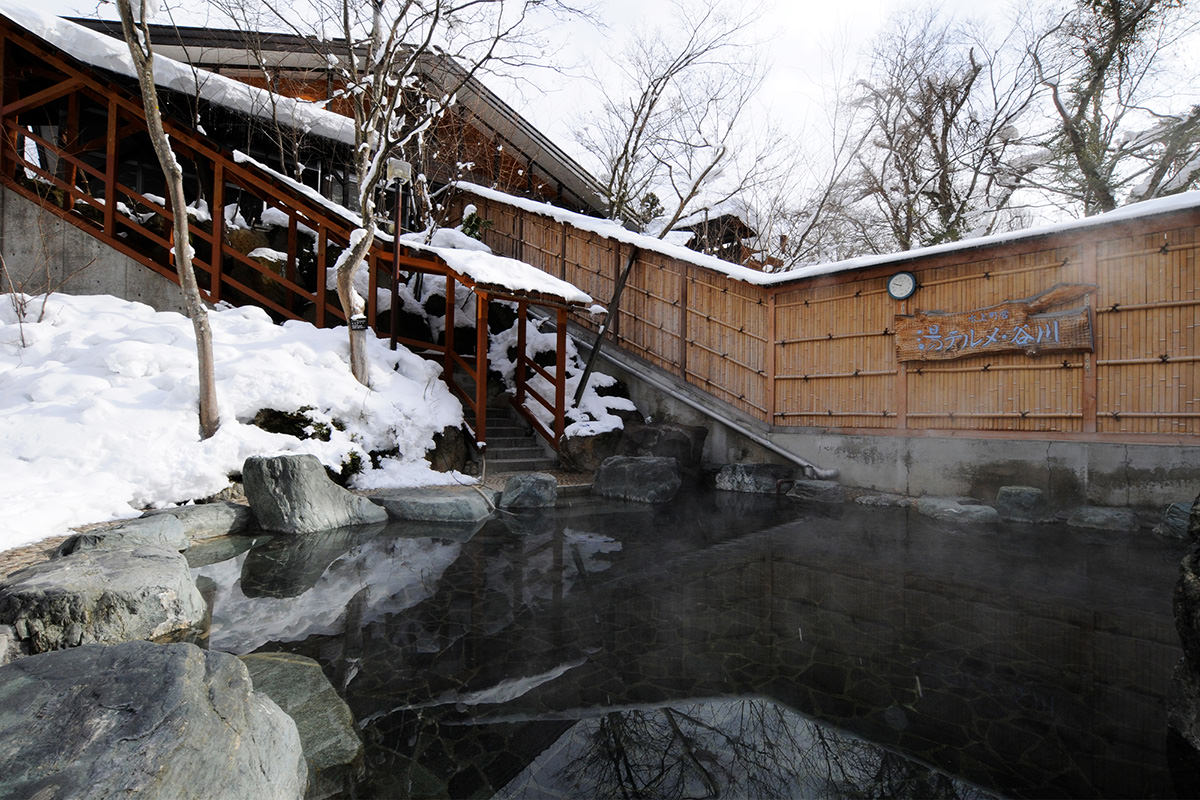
(98, 408)
(611, 230)
(483, 267)
(731, 207)
(105, 52)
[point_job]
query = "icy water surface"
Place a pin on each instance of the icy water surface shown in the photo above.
(729, 645)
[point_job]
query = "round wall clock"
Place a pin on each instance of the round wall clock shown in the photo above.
(902, 285)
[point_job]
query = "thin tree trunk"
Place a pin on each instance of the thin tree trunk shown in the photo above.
(138, 41)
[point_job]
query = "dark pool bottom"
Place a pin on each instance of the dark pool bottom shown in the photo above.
(734, 646)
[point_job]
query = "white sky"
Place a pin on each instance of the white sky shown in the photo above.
(801, 40)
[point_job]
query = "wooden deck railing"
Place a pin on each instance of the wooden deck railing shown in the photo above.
(75, 143)
(821, 353)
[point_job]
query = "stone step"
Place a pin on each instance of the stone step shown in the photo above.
(521, 464)
(515, 452)
(507, 432)
(503, 442)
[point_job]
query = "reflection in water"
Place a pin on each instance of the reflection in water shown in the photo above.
(730, 645)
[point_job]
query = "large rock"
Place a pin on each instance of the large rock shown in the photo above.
(1193, 529)
(587, 453)
(101, 596)
(817, 491)
(451, 450)
(331, 745)
(292, 494)
(166, 533)
(957, 509)
(644, 479)
(1186, 606)
(756, 478)
(684, 443)
(145, 721)
(209, 520)
(1020, 503)
(529, 490)
(1103, 518)
(437, 503)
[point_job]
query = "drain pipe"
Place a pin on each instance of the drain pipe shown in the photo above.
(811, 470)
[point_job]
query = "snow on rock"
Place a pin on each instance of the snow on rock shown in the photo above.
(98, 408)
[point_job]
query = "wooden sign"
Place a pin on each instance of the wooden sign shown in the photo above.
(1026, 325)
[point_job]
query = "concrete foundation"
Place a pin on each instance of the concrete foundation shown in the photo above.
(1070, 472)
(42, 252)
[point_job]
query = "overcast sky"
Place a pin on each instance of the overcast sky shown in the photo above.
(803, 42)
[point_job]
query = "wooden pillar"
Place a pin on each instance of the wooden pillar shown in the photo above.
(290, 269)
(560, 377)
(772, 351)
(684, 279)
(448, 334)
(522, 316)
(218, 231)
(322, 282)
(1089, 272)
(110, 170)
(481, 366)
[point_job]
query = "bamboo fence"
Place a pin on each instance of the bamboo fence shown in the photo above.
(822, 352)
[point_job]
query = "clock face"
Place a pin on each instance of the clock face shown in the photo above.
(902, 285)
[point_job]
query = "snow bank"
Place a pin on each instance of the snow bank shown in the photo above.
(98, 408)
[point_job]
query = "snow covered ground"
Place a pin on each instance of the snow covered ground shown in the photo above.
(98, 408)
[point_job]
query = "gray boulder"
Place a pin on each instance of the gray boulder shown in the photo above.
(957, 509)
(101, 596)
(587, 453)
(885, 500)
(1021, 503)
(163, 532)
(437, 503)
(684, 443)
(10, 645)
(643, 479)
(145, 721)
(756, 478)
(292, 494)
(1186, 607)
(1103, 518)
(1193, 529)
(817, 491)
(288, 566)
(1174, 521)
(529, 490)
(331, 745)
(209, 520)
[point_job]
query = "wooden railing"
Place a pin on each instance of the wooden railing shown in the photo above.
(75, 143)
(821, 353)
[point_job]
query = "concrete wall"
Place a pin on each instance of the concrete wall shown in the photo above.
(42, 250)
(1070, 472)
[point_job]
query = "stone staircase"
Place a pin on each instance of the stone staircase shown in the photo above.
(512, 446)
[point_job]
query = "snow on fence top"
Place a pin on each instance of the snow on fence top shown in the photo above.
(105, 52)
(613, 230)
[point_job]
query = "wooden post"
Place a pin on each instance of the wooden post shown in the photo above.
(448, 334)
(684, 277)
(560, 378)
(66, 139)
(481, 366)
(218, 231)
(772, 350)
(322, 283)
(110, 170)
(562, 263)
(522, 315)
(1090, 382)
(290, 269)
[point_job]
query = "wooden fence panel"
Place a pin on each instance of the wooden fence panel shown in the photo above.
(1148, 327)
(650, 313)
(727, 340)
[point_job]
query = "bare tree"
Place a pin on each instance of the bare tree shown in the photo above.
(137, 37)
(676, 132)
(1117, 140)
(396, 67)
(944, 112)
